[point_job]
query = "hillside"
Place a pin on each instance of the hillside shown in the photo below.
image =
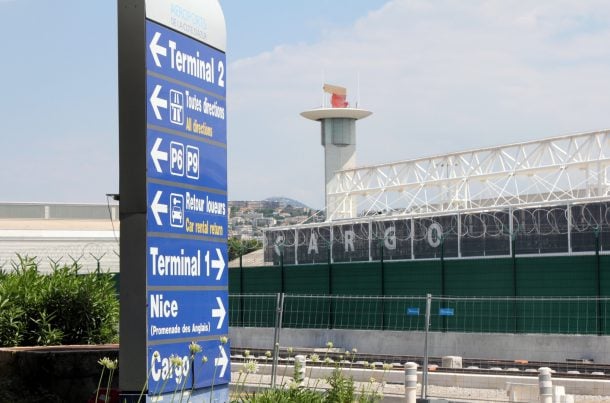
(287, 201)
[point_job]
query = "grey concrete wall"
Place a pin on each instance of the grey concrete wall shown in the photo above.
(532, 347)
(67, 374)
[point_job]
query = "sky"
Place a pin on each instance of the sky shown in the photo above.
(439, 76)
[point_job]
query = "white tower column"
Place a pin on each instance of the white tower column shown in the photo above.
(338, 137)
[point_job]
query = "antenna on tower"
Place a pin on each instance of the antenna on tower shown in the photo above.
(323, 93)
(358, 91)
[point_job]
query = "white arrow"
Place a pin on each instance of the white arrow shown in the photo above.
(157, 102)
(222, 361)
(157, 49)
(158, 155)
(157, 207)
(218, 264)
(219, 313)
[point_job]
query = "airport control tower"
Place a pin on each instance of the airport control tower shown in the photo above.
(338, 124)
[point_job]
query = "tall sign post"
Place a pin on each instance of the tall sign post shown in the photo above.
(173, 199)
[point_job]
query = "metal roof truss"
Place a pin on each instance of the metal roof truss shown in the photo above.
(570, 168)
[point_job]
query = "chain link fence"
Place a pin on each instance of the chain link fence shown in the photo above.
(444, 328)
(546, 315)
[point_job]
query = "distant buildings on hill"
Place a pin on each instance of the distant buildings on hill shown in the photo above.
(89, 233)
(248, 218)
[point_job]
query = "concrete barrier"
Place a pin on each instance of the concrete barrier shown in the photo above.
(545, 385)
(451, 361)
(522, 392)
(411, 382)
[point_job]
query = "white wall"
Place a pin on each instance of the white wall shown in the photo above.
(66, 249)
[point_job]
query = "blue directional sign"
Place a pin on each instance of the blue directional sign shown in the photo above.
(186, 160)
(187, 211)
(180, 315)
(187, 60)
(173, 188)
(187, 279)
(173, 106)
(189, 262)
(211, 366)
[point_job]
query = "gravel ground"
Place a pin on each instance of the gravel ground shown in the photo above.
(395, 392)
(482, 395)
(492, 395)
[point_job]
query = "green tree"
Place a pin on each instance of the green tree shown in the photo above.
(238, 247)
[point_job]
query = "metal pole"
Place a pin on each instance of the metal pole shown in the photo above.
(443, 286)
(282, 268)
(241, 288)
(598, 281)
(443, 280)
(276, 337)
(382, 286)
(331, 315)
(513, 247)
(424, 385)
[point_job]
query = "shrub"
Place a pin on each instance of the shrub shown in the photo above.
(11, 323)
(341, 388)
(63, 307)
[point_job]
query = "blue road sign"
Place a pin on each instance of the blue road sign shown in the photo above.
(212, 370)
(199, 113)
(187, 262)
(445, 311)
(412, 311)
(184, 59)
(188, 211)
(187, 279)
(187, 315)
(186, 160)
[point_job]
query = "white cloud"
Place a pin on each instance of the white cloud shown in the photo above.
(439, 76)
